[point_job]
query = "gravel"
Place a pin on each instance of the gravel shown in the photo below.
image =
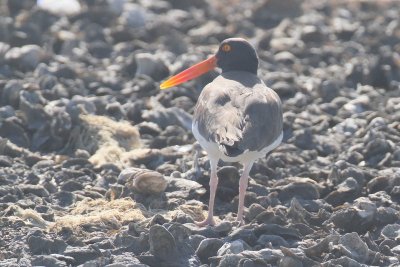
(98, 167)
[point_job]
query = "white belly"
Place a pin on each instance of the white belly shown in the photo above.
(248, 156)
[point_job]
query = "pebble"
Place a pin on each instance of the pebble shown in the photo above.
(24, 58)
(47, 260)
(62, 7)
(83, 124)
(82, 254)
(234, 247)
(143, 181)
(346, 191)
(162, 243)
(42, 245)
(207, 248)
(352, 246)
(299, 188)
(151, 65)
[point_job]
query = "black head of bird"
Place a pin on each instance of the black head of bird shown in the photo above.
(234, 54)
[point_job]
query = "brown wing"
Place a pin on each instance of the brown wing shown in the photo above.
(239, 112)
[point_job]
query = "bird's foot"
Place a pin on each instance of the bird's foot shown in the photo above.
(208, 221)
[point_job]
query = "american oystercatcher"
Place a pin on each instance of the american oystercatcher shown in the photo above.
(237, 118)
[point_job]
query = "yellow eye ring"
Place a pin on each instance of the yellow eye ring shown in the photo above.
(226, 48)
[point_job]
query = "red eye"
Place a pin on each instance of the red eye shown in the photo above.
(226, 48)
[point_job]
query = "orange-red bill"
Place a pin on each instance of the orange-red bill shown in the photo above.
(190, 73)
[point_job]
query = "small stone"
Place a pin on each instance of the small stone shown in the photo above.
(328, 90)
(143, 181)
(269, 13)
(353, 246)
(37, 190)
(208, 248)
(152, 66)
(72, 186)
(82, 254)
(304, 139)
(10, 93)
(247, 235)
(311, 34)
(42, 245)
(195, 240)
(48, 261)
(62, 7)
(126, 259)
(346, 191)
(162, 243)
(228, 185)
(342, 261)
(63, 198)
(183, 188)
(391, 231)
(300, 188)
(134, 16)
(25, 58)
(223, 228)
(276, 241)
(229, 260)
(235, 247)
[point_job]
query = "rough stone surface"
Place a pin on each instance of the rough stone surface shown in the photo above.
(98, 167)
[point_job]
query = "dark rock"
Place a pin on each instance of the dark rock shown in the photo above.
(42, 245)
(71, 186)
(5, 161)
(64, 198)
(228, 184)
(14, 132)
(25, 58)
(391, 231)
(99, 49)
(274, 229)
(301, 188)
(82, 254)
(329, 90)
(247, 235)
(235, 247)
(10, 94)
(304, 139)
(312, 34)
(126, 242)
(37, 190)
(350, 219)
(274, 240)
(195, 240)
(353, 246)
(183, 188)
(254, 210)
(346, 191)
(31, 104)
(162, 243)
(143, 181)
(284, 89)
(270, 13)
(342, 261)
(47, 260)
(208, 248)
(126, 259)
(150, 65)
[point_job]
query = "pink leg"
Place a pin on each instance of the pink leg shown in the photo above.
(213, 189)
(243, 182)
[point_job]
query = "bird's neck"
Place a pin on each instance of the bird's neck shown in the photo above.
(244, 68)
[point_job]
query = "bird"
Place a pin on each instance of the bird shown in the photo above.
(237, 117)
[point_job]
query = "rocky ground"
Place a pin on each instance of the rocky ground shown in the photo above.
(97, 165)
